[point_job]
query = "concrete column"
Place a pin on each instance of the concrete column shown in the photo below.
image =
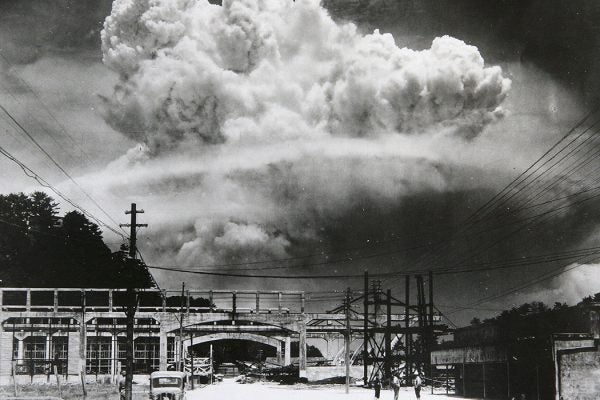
(6, 346)
(302, 351)
(113, 354)
(48, 351)
(162, 349)
(82, 345)
(257, 302)
(74, 350)
(286, 354)
(279, 353)
(21, 349)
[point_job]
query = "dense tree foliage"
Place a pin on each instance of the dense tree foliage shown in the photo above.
(536, 318)
(591, 299)
(39, 249)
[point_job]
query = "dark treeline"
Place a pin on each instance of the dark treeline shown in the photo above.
(40, 249)
(537, 319)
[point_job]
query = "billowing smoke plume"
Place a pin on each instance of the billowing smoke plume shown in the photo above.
(271, 71)
(271, 127)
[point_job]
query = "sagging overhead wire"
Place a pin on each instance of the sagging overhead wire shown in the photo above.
(26, 132)
(538, 279)
(511, 263)
(530, 178)
(42, 182)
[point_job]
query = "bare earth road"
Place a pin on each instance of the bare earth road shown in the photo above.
(229, 390)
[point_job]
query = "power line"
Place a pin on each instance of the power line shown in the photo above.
(57, 164)
(40, 180)
(501, 197)
(502, 192)
(561, 256)
(541, 278)
(45, 107)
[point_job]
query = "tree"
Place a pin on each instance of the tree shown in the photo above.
(591, 299)
(38, 249)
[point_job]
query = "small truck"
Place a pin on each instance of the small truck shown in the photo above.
(167, 385)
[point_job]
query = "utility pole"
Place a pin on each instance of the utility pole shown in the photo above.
(181, 358)
(133, 229)
(347, 337)
(131, 299)
(407, 335)
(366, 331)
(431, 333)
(388, 362)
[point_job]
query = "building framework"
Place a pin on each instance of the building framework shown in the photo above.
(82, 331)
(396, 335)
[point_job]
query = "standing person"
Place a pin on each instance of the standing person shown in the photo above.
(396, 384)
(417, 384)
(121, 385)
(377, 387)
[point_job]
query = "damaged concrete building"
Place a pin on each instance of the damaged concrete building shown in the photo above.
(550, 355)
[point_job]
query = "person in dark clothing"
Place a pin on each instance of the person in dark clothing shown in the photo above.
(121, 385)
(377, 387)
(417, 383)
(396, 384)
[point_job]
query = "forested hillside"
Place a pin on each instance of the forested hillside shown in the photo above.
(40, 249)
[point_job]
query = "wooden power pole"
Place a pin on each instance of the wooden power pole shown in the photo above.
(131, 299)
(348, 338)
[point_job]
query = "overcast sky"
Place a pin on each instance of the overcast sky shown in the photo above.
(272, 131)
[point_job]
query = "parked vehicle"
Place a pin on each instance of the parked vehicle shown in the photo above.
(167, 385)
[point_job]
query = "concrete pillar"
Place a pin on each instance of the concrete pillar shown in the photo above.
(113, 355)
(279, 353)
(74, 350)
(21, 349)
(287, 352)
(48, 351)
(82, 345)
(6, 346)
(162, 349)
(302, 351)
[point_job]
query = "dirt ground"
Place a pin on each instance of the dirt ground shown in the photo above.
(226, 390)
(69, 392)
(230, 390)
